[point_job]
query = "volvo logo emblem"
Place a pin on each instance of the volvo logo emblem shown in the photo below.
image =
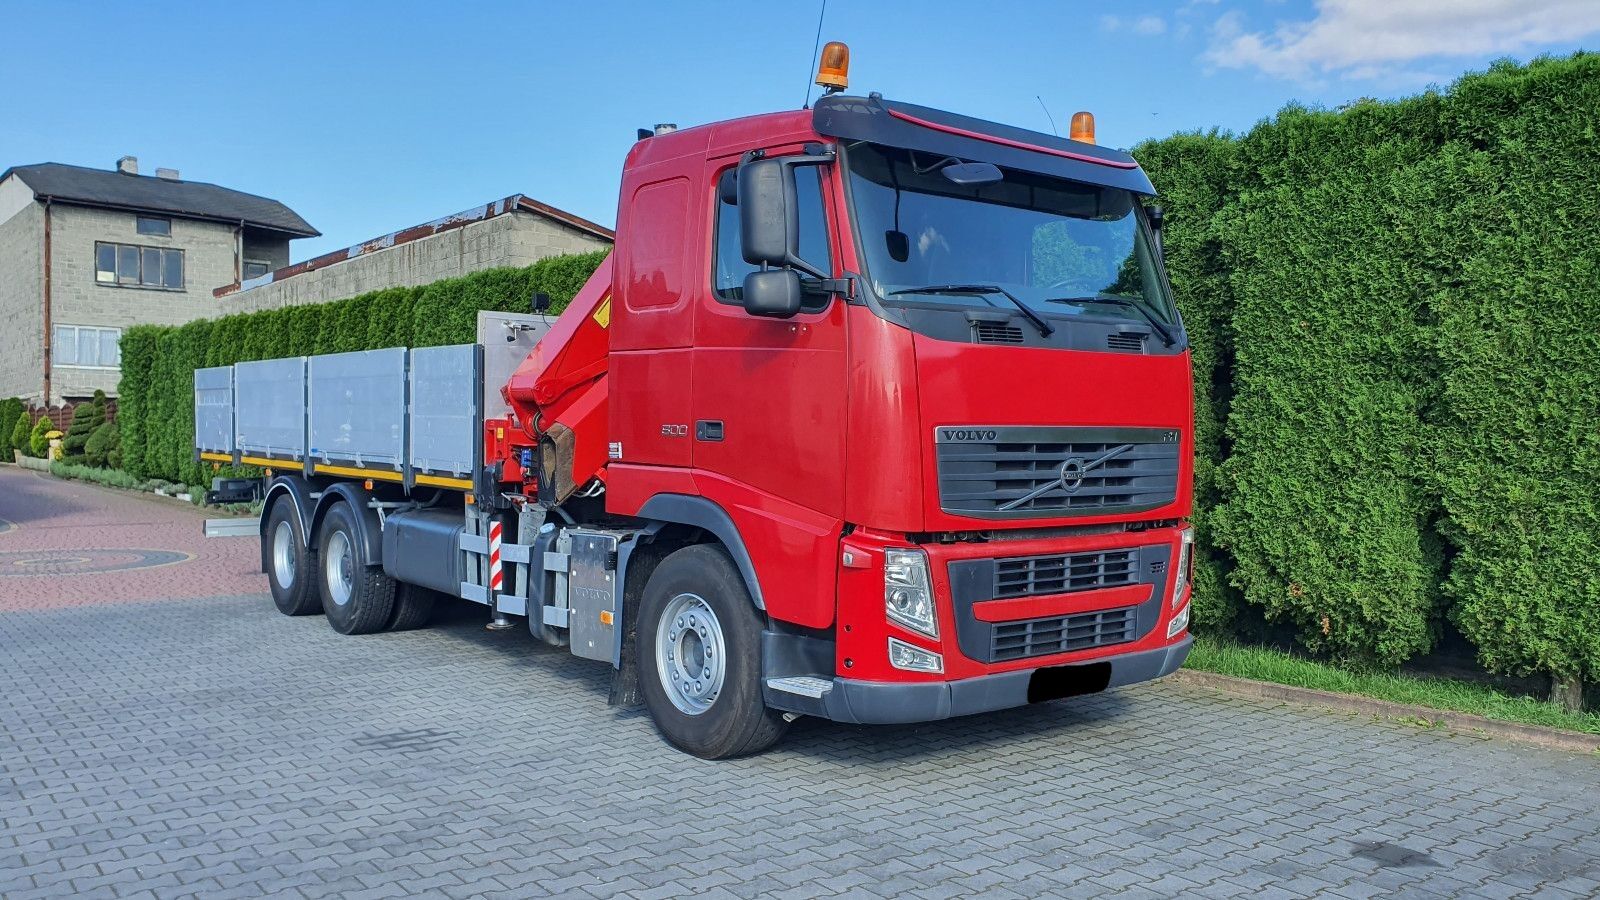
(1072, 474)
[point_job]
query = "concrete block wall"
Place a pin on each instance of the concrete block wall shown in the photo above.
(517, 238)
(78, 299)
(22, 303)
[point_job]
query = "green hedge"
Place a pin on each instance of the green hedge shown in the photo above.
(1394, 310)
(156, 396)
(1516, 462)
(1324, 507)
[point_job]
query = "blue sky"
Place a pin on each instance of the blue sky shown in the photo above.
(367, 118)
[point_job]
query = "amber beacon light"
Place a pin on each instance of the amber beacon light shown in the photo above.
(833, 71)
(1082, 127)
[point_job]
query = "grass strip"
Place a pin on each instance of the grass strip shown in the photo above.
(1263, 664)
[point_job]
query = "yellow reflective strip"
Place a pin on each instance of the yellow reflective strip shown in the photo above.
(440, 481)
(216, 457)
(357, 473)
(268, 463)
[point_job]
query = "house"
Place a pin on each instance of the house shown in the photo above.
(85, 253)
(513, 231)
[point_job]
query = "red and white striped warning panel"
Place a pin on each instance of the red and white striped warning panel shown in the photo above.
(494, 556)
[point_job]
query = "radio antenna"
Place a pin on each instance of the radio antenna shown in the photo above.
(1053, 129)
(815, 46)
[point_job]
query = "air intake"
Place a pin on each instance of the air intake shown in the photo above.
(1126, 342)
(997, 333)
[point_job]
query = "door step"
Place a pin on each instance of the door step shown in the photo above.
(803, 685)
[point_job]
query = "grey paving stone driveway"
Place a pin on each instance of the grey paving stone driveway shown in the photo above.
(212, 747)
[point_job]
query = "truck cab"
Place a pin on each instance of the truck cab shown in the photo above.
(922, 378)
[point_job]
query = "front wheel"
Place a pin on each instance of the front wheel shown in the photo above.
(699, 652)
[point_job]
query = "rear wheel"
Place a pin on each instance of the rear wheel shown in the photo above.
(358, 597)
(291, 564)
(699, 652)
(413, 605)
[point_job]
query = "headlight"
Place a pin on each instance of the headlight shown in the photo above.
(904, 656)
(1180, 579)
(907, 598)
(1179, 622)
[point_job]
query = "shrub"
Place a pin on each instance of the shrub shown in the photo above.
(20, 433)
(10, 409)
(86, 417)
(101, 449)
(110, 477)
(39, 437)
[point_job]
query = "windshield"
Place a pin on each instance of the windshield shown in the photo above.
(1059, 246)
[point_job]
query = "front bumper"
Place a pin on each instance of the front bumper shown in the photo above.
(885, 703)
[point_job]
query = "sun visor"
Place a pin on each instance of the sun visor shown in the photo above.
(914, 127)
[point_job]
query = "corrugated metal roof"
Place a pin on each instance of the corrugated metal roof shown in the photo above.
(195, 199)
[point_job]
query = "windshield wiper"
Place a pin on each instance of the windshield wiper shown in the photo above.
(1105, 300)
(1045, 329)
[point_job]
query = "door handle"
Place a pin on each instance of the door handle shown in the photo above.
(708, 430)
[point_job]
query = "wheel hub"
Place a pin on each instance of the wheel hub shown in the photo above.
(691, 658)
(339, 571)
(283, 554)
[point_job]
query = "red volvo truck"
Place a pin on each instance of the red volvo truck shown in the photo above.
(876, 412)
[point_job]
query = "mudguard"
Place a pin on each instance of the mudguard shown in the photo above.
(297, 491)
(369, 527)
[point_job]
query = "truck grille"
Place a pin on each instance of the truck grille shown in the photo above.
(1041, 637)
(1020, 471)
(1026, 576)
(977, 581)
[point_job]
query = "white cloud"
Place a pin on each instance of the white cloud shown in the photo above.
(1362, 39)
(1149, 25)
(1146, 25)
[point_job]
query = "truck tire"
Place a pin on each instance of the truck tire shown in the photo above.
(291, 564)
(413, 605)
(358, 598)
(699, 653)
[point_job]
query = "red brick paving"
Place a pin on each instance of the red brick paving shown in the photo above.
(54, 516)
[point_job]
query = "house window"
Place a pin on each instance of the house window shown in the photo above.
(255, 268)
(131, 266)
(152, 225)
(87, 345)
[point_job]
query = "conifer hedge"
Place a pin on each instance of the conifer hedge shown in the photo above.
(1409, 322)
(156, 395)
(1515, 210)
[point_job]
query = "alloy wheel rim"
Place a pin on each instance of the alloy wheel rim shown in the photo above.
(283, 554)
(339, 569)
(691, 654)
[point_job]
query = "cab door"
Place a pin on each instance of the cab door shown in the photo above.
(769, 399)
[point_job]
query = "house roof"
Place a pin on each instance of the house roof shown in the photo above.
(145, 193)
(513, 203)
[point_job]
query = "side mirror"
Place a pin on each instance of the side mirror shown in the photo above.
(769, 223)
(774, 293)
(1158, 218)
(540, 302)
